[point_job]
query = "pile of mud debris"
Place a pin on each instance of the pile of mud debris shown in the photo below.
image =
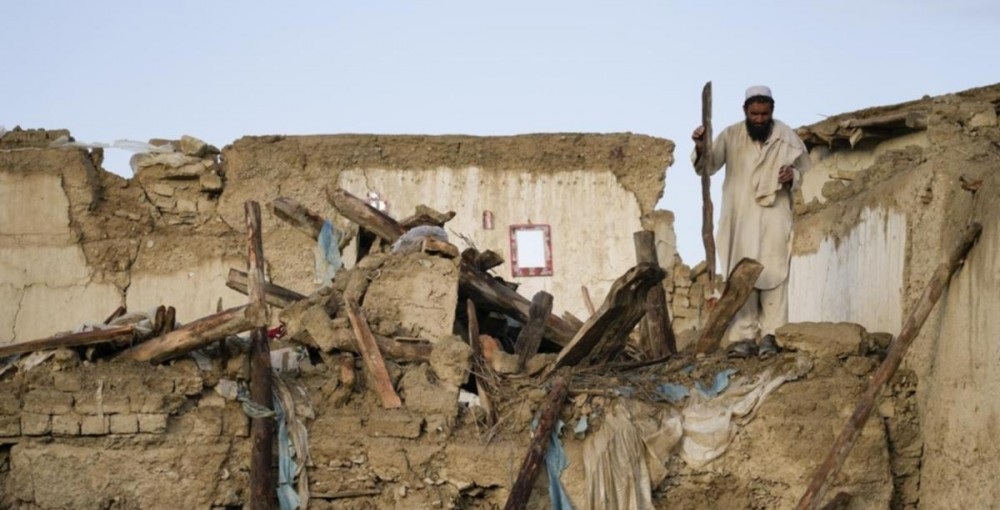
(458, 383)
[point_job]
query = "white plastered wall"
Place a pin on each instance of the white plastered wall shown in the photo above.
(859, 279)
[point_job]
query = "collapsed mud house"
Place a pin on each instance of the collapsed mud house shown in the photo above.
(886, 201)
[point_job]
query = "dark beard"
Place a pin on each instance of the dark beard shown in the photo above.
(759, 133)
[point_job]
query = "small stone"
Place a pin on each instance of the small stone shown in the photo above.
(162, 189)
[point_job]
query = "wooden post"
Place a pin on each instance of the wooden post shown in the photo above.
(262, 483)
(530, 337)
(604, 334)
(738, 287)
(852, 429)
(480, 366)
(276, 295)
(117, 335)
(192, 335)
(705, 165)
(372, 358)
(170, 320)
(661, 340)
(521, 491)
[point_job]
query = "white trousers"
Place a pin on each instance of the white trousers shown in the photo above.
(764, 312)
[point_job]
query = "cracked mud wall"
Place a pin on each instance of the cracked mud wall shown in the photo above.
(77, 241)
(866, 254)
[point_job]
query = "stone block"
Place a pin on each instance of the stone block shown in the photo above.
(10, 426)
(395, 423)
(34, 424)
(822, 339)
(48, 402)
(67, 381)
(94, 425)
(9, 404)
(66, 425)
(185, 205)
(152, 423)
(202, 421)
(109, 403)
(210, 182)
(123, 424)
(146, 402)
(162, 189)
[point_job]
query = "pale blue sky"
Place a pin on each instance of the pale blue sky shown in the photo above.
(220, 70)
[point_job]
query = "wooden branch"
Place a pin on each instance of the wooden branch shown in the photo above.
(277, 295)
(118, 335)
(707, 165)
(605, 334)
(852, 429)
(738, 287)
(481, 367)
(372, 358)
(366, 216)
(586, 300)
(342, 339)
(520, 492)
(262, 483)
(493, 295)
(191, 336)
(530, 337)
(158, 319)
(661, 340)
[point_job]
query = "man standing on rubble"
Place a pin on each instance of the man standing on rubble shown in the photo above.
(764, 159)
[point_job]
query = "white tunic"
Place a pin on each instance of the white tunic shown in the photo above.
(756, 217)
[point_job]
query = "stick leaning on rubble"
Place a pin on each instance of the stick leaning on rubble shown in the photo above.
(852, 429)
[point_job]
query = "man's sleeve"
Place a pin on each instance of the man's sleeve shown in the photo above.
(718, 152)
(802, 165)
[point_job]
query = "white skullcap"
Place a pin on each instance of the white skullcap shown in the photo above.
(758, 90)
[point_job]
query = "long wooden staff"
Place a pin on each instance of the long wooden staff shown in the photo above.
(704, 165)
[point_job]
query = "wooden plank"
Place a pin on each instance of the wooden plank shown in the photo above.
(437, 246)
(481, 367)
(262, 480)
(660, 340)
(372, 358)
(520, 492)
(118, 335)
(911, 327)
(297, 215)
(605, 334)
(276, 295)
(530, 337)
(738, 287)
(488, 260)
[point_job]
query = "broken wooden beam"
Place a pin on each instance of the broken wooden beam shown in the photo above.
(191, 336)
(425, 215)
(660, 339)
(493, 295)
(481, 367)
(262, 479)
(520, 492)
(116, 314)
(120, 335)
(297, 215)
(530, 337)
(740, 283)
(366, 216)
(915, 320)
(488, 259)
(605, 333)
(276, 295)
(371, 356)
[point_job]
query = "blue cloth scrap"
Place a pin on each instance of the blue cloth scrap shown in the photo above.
(328, 243)
(672, 392)
(288, 498)
(555, 463)
(719, 383)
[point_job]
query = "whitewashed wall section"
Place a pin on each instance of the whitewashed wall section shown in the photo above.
(859, 279)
